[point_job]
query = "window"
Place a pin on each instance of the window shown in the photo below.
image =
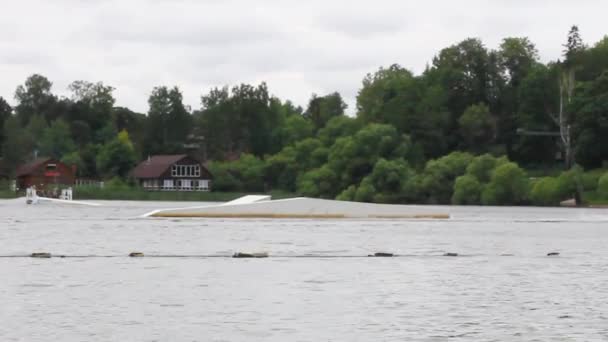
(168, 184)
(51, 167)
(186, 170)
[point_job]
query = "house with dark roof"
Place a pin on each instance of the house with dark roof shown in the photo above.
(178, 172)
(44, 173)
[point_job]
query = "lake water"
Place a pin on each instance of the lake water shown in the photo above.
(502, 286)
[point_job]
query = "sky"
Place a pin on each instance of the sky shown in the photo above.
(297, 47)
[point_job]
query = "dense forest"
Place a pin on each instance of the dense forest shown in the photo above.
(463, 131)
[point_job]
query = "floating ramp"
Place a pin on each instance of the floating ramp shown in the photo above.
(302, 207)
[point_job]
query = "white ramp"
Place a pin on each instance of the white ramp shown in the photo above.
(307, 208)
(248, 199)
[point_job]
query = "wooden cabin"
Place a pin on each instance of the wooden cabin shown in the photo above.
(178, 172)
(44, 173)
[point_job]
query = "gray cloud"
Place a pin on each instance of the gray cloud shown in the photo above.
(297, 47)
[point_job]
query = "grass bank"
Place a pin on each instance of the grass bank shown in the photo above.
(7, 194)
(136, 194)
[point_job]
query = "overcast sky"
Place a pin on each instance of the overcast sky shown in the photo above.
(298, 47)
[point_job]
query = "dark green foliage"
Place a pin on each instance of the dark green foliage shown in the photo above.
(246, 119)
(467, 190)
(509, 186)
(5, 114)
(56, 140)
(394, 96)
(546, 192)
(551, 191)
(591, 125)
(483, 166)
(322, 182)
(390, 181)
(169, 122)
(602, 186)
(439, 175)
(117, 157)
(337, 127)
(476, 127)
(15, 147)
(245, 174)
(412, 140)
(322, 109)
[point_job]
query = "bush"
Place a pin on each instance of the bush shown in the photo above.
(482, 167)
(365, 192)
(318, 183)
(467, 191)
(602, 186)
(509, 186)
(116, 183)
(439, 175)
(546, 191)
(348, 194)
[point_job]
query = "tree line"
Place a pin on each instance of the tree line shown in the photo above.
(411, 138)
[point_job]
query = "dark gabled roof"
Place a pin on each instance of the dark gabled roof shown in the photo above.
(29, 168)
(155, 166)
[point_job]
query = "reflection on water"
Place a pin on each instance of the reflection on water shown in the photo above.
(501, 287)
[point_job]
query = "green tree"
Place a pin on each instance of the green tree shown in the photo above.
(56, 140)
(437, 183)
(35, 98)
(602, 186)
(353, 158)
(244, 119)
(93, 103)
(117, 157)
(476, 127)
(464, 71)
(590, 106)
(509, 186)
(295, 128)
(320, 182)
(467, 191)
(337, 127)
(538, 99)
(389, 180)
(545, 192)
(516, 57)
(169, 122)
(394, 96)
(321, 109)
(74, 159)
(482, 167)
(14, 147)
(5, 114)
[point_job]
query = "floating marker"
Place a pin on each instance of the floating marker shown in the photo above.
(40, 255)
(250, 255)
(136, 254)
(451, 254)
(382, 255)
(553, 254)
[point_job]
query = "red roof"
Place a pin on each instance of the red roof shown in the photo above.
(30, 167)
(155, 166)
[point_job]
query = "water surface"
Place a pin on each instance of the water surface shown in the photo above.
(501, 287)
